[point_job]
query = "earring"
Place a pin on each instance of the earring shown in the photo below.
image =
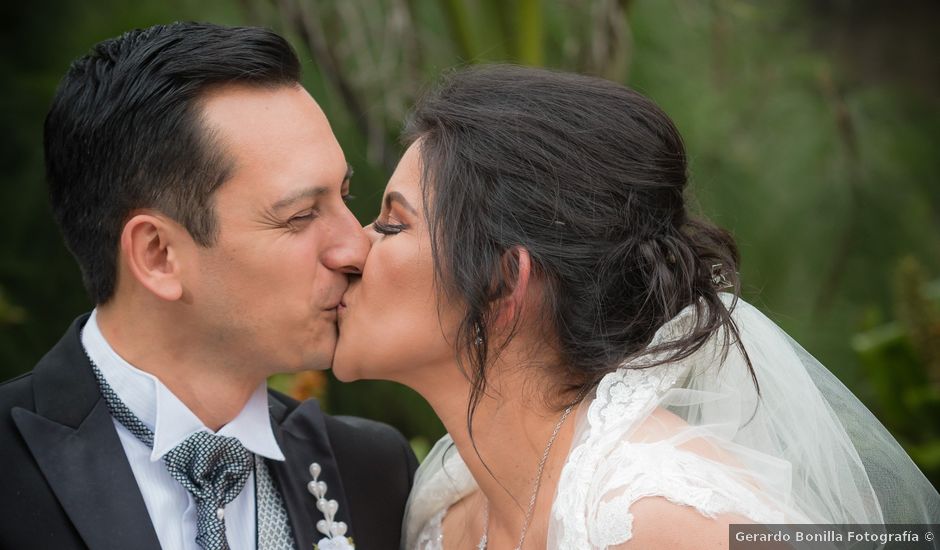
(479, 332)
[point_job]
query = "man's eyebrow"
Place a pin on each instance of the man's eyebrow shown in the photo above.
(395, 196)
(308, 193)
(301, 194)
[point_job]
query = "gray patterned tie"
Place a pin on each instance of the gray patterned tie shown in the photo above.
(213, 468)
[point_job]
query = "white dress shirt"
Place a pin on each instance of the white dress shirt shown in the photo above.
(172, 508)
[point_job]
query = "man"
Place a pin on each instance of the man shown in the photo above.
(201, 190)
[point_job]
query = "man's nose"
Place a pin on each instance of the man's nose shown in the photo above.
(352, 246)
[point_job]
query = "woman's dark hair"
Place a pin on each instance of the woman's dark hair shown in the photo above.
(125, 131)
(589, 177)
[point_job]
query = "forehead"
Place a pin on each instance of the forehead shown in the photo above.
(277, 139)
(407, 176)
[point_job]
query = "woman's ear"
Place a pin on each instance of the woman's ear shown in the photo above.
(150, 247)
(516, 267)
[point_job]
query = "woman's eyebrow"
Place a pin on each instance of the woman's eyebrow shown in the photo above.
(395, 196)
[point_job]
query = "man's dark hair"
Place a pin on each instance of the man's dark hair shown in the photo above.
(125, 132)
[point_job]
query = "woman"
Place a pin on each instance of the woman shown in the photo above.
(536, 276)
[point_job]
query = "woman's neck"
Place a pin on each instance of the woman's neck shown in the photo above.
(512, 427)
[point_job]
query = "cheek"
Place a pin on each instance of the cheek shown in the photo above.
(270, 286)
(398, 282)
(283, 268)
(398, 309)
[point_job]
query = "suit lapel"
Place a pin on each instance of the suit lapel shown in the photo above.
(72, 437)
(301, 434)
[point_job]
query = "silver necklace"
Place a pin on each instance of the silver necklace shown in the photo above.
(535, 490)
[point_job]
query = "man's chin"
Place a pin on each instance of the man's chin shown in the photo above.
(319, 359)
(318, 362)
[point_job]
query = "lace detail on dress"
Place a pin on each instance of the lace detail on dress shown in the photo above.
(432, 536)
(442, 480)
(683, 478)
(623, 395)
(606, 472)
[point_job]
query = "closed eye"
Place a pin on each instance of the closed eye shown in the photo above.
(388, 228)
(303, 218)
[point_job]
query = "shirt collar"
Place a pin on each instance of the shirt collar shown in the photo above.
(160, 410)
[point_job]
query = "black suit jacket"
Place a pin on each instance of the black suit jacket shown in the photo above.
(66, 482)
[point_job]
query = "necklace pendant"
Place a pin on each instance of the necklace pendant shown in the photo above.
(482, 544)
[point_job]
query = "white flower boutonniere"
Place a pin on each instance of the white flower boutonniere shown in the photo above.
(338, 543)
(335, 531)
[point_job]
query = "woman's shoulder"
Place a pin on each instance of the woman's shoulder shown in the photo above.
(657, 474)
(442, 481)
(661, 523)
(642, 492)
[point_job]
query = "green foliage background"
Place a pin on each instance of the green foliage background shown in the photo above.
(812, 127)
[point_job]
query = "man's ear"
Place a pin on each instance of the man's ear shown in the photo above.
(516, 267)
(150, 246)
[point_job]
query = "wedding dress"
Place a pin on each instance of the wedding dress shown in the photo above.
(697, 432)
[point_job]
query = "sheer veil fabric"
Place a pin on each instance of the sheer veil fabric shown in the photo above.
(697, 432)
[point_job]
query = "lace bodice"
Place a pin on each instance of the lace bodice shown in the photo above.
(605, 472)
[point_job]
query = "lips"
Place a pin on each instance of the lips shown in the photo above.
(344, 299)
(337, 303)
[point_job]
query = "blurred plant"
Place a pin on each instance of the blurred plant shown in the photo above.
(10, 314)
(307, 384)
(902, 361)
(421, 447)
(302, 385)
(377, 55)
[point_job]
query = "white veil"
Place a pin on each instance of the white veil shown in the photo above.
(805, 450)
